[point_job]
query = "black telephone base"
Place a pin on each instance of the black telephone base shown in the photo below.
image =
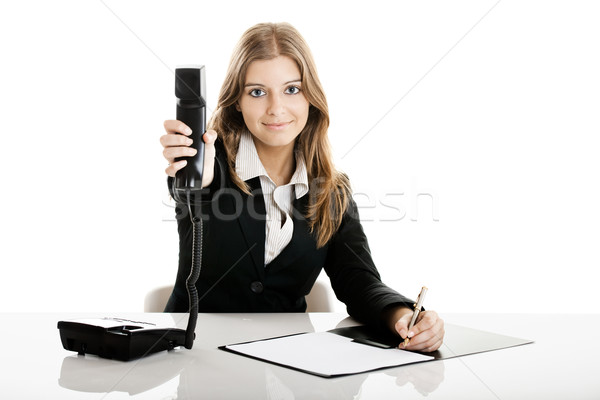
(118, 339)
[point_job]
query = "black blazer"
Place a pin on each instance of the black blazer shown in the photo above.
(234, 278)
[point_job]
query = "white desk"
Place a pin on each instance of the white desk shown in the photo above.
(35, 365)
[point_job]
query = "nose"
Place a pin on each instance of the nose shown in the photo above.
(276, 105)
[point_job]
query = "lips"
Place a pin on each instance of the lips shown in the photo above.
(277, 125)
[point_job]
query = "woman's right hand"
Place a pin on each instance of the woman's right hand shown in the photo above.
(176, 143)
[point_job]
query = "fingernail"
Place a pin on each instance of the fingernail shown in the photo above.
(189, 141)
(411, 334)
(187, 131)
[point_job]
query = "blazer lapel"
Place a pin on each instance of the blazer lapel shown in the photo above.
(302, 241)
(252, 221)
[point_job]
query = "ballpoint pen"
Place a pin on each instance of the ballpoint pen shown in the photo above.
(418, 306)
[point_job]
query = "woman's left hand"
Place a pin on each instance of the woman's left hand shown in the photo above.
(426, 335)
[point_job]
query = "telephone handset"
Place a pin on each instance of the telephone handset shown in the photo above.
(123, 339)
(190, 90)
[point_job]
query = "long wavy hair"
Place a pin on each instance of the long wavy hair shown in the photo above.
(329, 189)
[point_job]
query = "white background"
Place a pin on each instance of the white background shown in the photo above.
(468, 130)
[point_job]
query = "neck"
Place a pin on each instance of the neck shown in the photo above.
(279, 162)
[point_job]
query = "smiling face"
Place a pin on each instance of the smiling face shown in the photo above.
(272, 103)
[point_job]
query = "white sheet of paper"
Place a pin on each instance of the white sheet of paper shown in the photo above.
(326, 353)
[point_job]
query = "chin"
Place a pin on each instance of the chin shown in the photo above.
(277, 139)
(279, 142)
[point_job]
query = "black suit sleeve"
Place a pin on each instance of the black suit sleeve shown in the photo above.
(354, 277)
(179, 301)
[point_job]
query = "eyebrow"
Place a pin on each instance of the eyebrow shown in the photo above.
(285, 83)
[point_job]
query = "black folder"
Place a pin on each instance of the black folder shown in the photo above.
(458, 341)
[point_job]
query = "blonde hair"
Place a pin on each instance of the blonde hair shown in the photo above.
(265, 41)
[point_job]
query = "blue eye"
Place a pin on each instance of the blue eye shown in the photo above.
(292, 90)
(257, 92)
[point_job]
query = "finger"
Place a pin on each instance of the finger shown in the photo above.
(430, 346)
(421, 342)
(432, 343)
(425, 321)
(210, 136)
(427, 340)
(171, 153)
(428, 325)
(401, 325)
(172, 169)
(170, 140)
(175, 126)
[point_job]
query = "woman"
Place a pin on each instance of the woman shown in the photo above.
(276, 210)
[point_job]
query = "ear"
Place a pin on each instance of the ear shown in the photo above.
(237, 107)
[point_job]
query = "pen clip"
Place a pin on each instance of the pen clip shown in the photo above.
(420, 298)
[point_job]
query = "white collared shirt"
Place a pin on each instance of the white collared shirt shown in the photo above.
(278, 199)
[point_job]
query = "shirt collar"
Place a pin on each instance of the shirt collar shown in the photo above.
(248, 165)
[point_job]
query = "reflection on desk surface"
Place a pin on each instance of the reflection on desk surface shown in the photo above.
(92, 374)
(199, 372)
(217, 374)
(37, 366)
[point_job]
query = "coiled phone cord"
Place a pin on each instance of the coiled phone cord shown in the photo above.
(194, 273)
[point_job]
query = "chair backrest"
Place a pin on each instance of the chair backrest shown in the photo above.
(156, 299)
(318, 300)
